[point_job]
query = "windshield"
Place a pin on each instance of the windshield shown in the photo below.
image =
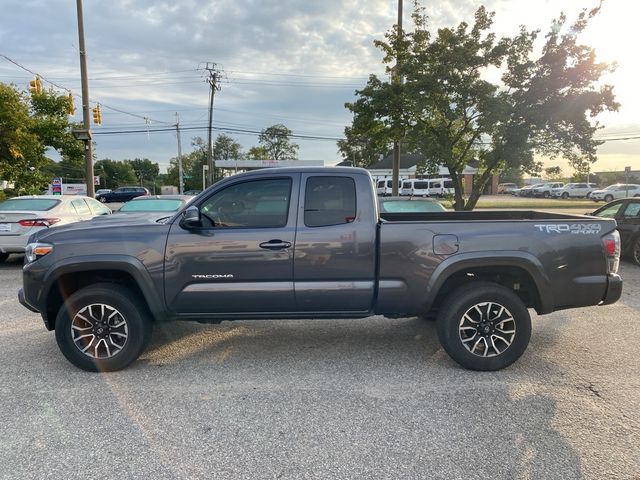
(33, 204)
(152, 205)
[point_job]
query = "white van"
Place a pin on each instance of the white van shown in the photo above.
(384, 187)
(432, 187)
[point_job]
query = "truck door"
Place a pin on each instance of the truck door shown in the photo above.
(241, 259)
(334, 261)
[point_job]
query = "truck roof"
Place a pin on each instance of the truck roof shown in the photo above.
(328, 170)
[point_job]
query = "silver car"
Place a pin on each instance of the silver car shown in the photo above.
(22, 216)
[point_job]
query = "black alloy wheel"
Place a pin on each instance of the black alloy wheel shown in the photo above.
(484, 326)
(102, 328)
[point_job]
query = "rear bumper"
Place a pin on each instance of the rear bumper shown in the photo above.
(13, 243)
(614, 289)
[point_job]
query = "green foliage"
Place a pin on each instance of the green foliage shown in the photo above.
(276, 142)
(114, 174)
(553, 173)
(29, 124)
(258, 153)
(449, 112)
(226, 148)
(362, 151)
(144, 169)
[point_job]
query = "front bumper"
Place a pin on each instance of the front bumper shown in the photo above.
(614, 289)
(24, 302)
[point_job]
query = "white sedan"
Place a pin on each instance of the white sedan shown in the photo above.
(22, 216)
(614, 192)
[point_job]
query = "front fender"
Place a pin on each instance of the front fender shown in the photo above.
(94, 263)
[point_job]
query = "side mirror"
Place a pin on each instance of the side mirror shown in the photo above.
(191, 218)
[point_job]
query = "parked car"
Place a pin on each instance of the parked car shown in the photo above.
(122, 194)
(614, 192)
(527, 190)
(544, 190)
(100, 191)
(310, 243)
(409, 205)
(22, 216)
(504, 188)
(574, 190)
(626, 213)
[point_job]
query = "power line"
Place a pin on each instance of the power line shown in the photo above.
(62, 87)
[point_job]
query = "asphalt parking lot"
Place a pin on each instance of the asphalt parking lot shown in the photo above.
(373, 398)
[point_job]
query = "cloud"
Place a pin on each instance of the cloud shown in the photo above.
(286, 61)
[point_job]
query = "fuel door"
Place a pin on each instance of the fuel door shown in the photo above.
(445, 244)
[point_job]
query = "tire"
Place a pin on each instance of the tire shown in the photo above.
(546, 194)
(635, 250)
(465, 307)
(3, 257)
(102, 199)
(565, 195)
(608, 198)
(73, 318)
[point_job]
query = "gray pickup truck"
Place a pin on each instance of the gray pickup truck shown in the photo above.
(311, 243)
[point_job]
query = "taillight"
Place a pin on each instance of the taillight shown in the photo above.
(38, 222)
(611, 244)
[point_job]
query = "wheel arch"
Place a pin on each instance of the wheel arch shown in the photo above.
(64, 279)
(518, 271)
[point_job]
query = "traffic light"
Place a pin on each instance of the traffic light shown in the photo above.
(97, 115)
(35, 86)
(71, 108)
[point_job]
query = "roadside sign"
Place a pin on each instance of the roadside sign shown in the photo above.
(96, 179)
(56, 186)
(627, 169)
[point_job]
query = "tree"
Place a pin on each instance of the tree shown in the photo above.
(452, 115)
(226, 148)
(192, 164)
(553, 173)
(29, 124)
(115, 174)
(361, 151)
(276, 142)
(258, 153)
(144, 169)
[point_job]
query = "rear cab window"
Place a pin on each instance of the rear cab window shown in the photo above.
(329, 201)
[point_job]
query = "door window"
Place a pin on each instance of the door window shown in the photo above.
(632, 210)
(81, 207)
(252, 204)
(609, 212)
(329, 201)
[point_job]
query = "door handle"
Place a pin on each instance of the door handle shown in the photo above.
(275, 245)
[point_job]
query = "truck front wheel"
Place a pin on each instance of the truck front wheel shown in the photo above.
(102, 328)
(484, 326)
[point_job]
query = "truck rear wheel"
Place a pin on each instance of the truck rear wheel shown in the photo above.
(484, 326)
(102, 328)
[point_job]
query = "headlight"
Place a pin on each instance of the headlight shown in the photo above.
(36, 250)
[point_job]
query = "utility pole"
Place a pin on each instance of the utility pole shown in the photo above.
(214, 85)
(395, 172)
(86, 119)
(180, 173)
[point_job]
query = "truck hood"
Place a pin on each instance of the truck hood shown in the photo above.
(112, 228)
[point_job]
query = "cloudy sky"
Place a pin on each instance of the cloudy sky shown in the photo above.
(284, 61)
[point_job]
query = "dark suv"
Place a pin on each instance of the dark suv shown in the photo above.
(123, 194)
